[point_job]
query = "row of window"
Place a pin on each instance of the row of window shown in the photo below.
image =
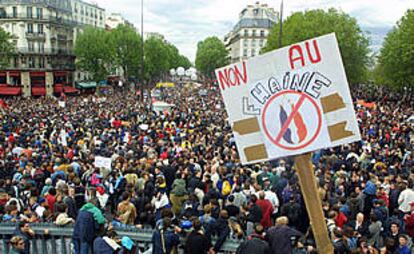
(92, 12)
(253, 52)
(253, 33)
(31, 62)
(39, 28)
(253, 43)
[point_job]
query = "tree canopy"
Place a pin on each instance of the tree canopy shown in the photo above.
(211, 54)
(94, 53)
(396, 59)
(352, 42)
(6, 48)
(127, 50)
(100, 52)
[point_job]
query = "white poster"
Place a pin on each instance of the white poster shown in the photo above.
(103, 162)
(62, 104)
(289, 101)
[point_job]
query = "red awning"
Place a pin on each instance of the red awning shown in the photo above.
(38, 91)
(58, 88)
(69, 89)
(10, 90)
(3, 73)
(60, 73)
(14, 73)
(37, 74)
(4, 85)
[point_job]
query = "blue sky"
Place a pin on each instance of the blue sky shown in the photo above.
(185, 22)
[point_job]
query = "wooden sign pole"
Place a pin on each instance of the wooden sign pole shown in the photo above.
(304, 169)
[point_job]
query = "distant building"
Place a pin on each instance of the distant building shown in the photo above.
(44, 32)
(250, 33)
(115, 19)
(154, 35)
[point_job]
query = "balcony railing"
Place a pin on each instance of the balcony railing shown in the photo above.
(43, 18)
(38, 36)
(58, 239)
(46, 51)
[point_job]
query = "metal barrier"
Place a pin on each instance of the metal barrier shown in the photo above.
(58, 240)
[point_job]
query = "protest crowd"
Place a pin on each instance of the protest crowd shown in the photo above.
(178, 172)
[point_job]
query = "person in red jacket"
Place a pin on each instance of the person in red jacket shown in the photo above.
(267, 210)
(409, 221)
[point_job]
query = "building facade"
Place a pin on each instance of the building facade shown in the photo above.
(44, 32)
(115, 19)
(250, 33)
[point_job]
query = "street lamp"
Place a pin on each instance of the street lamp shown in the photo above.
(280, 23)
(142, 49)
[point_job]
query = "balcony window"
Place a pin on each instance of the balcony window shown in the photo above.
(41, 47)
(41, 62)
(253, 52)
(31, 62)
(3, 13)
(40, 28)
(30, 28)
(29, 12)
(14, 12)
(30, 46)
(262, 33)
(246, 32)
(254, 33)
(245, 52)
(39, 13)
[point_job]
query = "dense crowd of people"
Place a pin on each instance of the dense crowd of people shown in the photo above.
(178, 172)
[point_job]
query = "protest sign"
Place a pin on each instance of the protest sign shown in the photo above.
(103, 162)
(289, 101)
(62, 104)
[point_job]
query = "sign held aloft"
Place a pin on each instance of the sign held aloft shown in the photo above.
(289, 101)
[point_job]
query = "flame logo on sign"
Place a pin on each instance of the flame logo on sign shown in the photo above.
(301, 130)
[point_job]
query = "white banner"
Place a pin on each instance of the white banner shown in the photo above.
(103, 162)
(289, 101)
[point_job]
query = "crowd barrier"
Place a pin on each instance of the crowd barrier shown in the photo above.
(58, 239)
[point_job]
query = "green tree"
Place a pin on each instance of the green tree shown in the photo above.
(175, 59)
(6, 48)
(126, 43)
(94, 53)
(183, 61)
(353, 44)
(396, 59)
(156, 60)
(211, 54)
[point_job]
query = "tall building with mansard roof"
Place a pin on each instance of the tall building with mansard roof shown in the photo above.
(250, 33)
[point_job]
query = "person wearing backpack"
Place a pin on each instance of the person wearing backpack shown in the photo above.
(255, 243)
(164, 239)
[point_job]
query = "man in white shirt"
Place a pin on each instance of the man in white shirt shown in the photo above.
(405, 199)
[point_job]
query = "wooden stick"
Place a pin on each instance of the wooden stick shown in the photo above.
(304, 169)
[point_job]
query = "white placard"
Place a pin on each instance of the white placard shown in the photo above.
(62, 104)
(103, 162)
(289, 101)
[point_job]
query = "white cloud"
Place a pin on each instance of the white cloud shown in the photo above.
(185, 22)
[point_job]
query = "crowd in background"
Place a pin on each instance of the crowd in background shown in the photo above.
(178, 172)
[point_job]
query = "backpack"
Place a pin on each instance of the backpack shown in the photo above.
(226, 188)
